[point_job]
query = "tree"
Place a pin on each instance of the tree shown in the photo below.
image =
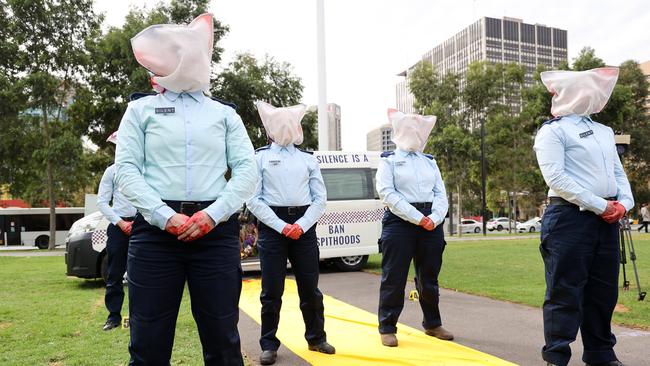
(587, 60)
(452, 143)
(47, 39)
(246, 80)
(310, 131)
(626, 113)
(114, 73)
(508, 138)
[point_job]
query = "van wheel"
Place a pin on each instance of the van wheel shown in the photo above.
(532, 229)
(42, 242)
(104, 268)
(499, 228)
(477, 230)
(351, 263)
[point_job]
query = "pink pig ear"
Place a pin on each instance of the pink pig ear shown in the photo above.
(204, 23)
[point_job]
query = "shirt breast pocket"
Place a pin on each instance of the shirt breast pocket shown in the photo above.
(427, 179)
(403, 176)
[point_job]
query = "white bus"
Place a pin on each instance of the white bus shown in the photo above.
(347, 233)
(31, 226)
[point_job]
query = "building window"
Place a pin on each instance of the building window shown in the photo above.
(543, 35)
(493, 27)
(559, 38)
(510, 30)
(527, 33)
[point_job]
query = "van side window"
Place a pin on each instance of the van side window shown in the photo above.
(374, 183)
(349, 184)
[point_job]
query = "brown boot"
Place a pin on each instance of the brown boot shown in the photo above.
(440, 333)
(389, 340)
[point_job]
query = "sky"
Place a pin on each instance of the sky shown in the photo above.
(368, 42)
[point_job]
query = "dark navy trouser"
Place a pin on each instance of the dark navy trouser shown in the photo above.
(581, 257)
(159, 265)
(117, 247)
(274, 249)
(402, 242)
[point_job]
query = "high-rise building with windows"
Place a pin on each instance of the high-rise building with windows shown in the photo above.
(333, 125)
(334, 128)
(380, 139)
(496, 40)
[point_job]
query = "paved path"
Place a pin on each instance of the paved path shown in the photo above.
(31, 252)
(509, 331)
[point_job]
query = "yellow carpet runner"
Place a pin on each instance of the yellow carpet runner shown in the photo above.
(353, 332)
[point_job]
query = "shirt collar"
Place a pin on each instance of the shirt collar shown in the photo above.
(196, 95)
(291, 148)
(404, 153)
(577, 119)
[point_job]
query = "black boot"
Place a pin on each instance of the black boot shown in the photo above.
(268, 357)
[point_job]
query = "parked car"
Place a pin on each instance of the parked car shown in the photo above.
(500, 224)
(530, 226)
(470, 226)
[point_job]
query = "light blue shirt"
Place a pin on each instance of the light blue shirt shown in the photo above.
(289, 177)
(179, 147)
(121, 207)
(410, 177)
(579, 162)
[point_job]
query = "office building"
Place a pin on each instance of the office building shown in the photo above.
(380, 139)
(489, 39)
(334, 125)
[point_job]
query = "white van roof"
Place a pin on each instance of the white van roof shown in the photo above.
(348, 159)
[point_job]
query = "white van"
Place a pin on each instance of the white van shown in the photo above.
(347, 233)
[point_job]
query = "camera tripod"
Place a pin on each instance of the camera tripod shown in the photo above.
(626, 238)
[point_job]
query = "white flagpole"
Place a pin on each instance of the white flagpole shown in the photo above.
(323, 130)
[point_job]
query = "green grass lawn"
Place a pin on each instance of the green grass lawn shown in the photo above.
(512, 270)
(48, 319)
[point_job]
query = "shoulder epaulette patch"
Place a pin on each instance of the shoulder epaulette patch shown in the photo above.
(306, 151)
(229, 104)
(550, 121)
(138, 95)
(386, 154)
(428, 156)
(266, 147)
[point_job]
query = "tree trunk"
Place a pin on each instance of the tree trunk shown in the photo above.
(450, 212)
(52, 203)
(450, 209)
(514, 204)
(460, 231)
(50, 180)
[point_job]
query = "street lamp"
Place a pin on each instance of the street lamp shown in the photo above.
(323, 128)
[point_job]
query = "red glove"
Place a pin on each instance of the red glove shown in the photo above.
(292, 231)
(197, 226)
(125, 226)
(427, 223)
(295, 232)
(129, 226)
(175, 222)
(287, 229)
(614, 212)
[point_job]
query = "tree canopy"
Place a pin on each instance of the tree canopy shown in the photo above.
(513, 111)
